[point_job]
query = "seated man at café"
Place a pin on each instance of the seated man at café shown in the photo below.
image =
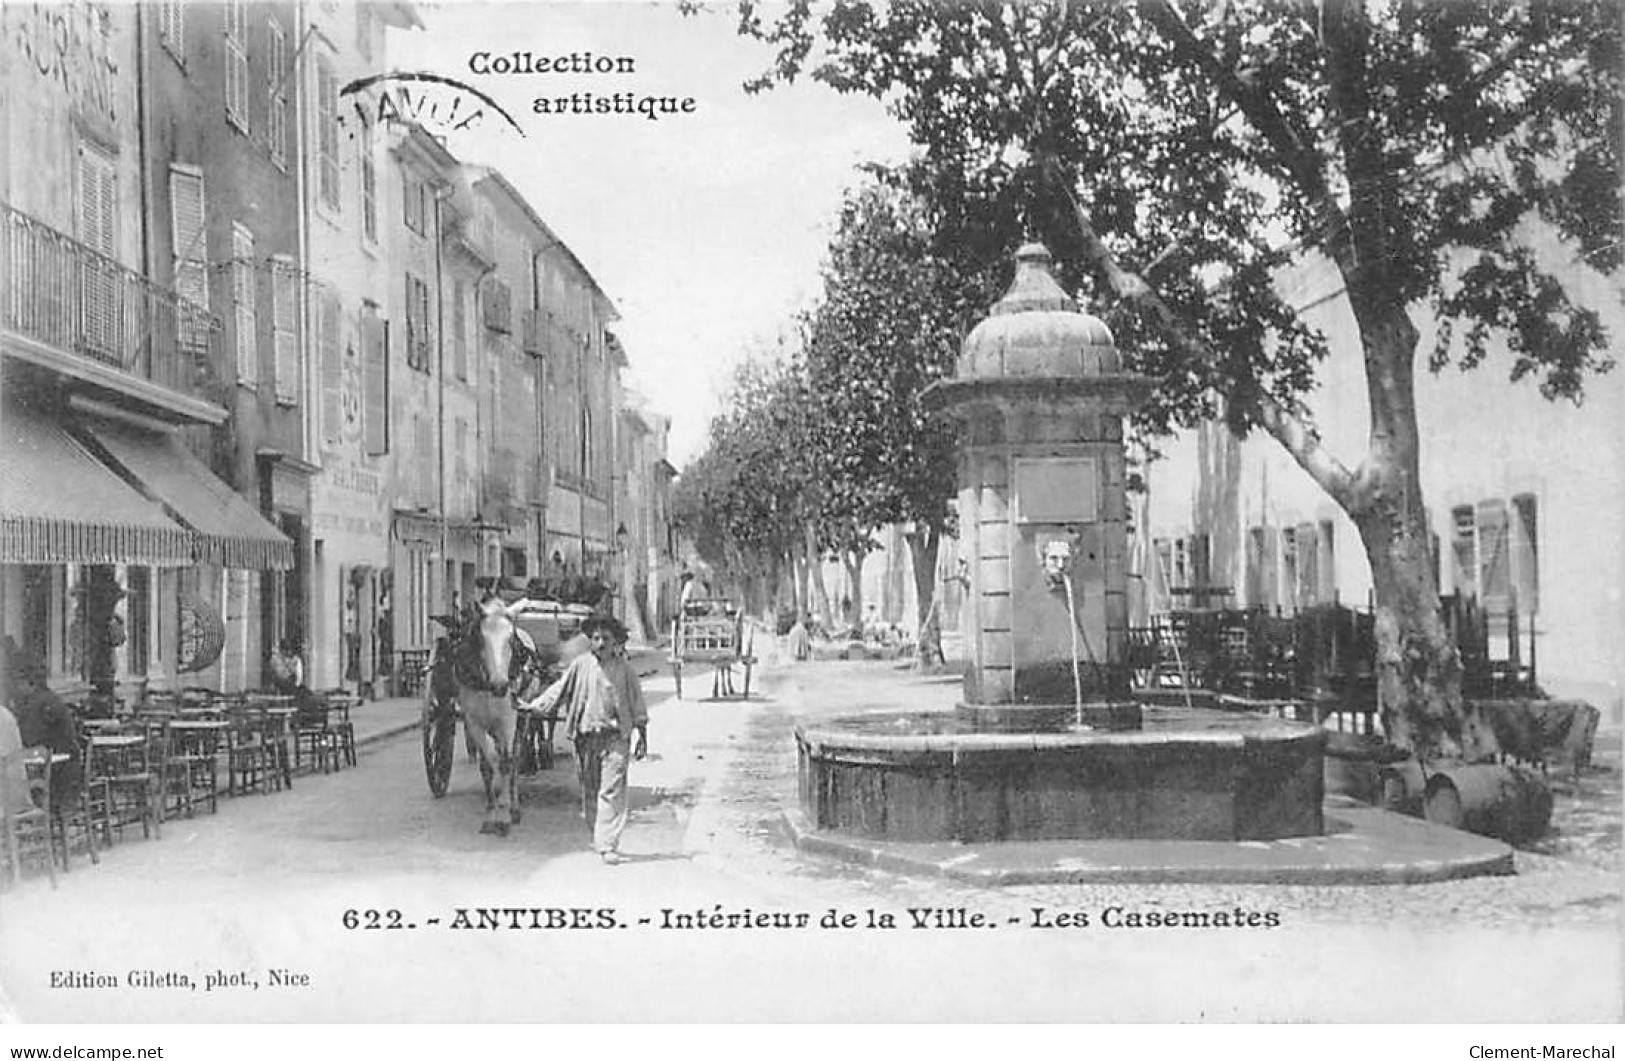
(43, 719)
(288, 676)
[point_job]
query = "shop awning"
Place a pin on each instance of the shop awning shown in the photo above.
(226, 529)
(60, 505)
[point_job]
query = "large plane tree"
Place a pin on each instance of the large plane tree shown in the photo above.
(1176, 154)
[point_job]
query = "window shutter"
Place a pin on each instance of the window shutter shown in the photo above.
(191, 255)
(98, 229)
(332, 371)
(1307, 540)
(243, 301)
(327, 133)
(1463, 552)
(186, 197)
(413, 328)
(284, 294)
(276, 119)
(459, 329)
(1493, 554)
(375, 382)
(1526, 554)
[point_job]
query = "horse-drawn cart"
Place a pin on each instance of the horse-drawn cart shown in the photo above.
(543, 628)
(712, 632)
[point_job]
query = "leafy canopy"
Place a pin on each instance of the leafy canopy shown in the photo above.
(1209, 143)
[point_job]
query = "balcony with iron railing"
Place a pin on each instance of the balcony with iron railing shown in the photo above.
(78, 311)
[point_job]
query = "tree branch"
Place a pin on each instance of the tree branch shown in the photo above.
(1292, 144)
(1297, 437)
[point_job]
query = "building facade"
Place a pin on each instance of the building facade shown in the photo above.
(126, 562)
(581, 373)
(221, 186)
(275, 364)
(349, 200)
(1525, 498)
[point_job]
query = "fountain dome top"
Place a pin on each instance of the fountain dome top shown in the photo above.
(1037, 330)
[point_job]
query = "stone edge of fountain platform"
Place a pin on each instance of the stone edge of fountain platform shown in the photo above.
(1362, 846)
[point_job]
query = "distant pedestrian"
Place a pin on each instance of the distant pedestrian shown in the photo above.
(800, 641)
(688, 593)
(604, 711)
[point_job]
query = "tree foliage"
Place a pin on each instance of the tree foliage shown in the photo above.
(746, 500)
(1174, 155)
(889, 323)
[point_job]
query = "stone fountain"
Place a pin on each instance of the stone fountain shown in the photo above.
(1046, 742)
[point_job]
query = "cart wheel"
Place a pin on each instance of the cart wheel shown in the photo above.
(677, 676)
(439, 740)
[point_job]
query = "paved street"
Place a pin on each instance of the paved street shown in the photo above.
(265, 885)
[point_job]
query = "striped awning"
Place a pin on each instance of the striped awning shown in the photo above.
(226, 529)
(60, 505)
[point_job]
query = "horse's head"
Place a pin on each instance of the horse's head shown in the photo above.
(495, 630)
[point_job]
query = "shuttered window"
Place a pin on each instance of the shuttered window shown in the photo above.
(332, 362)
(1494, 554)
(172, 27)
(459, 329)
(98, 229)
(375, 382)
(1307, 539)
(245, 336)
(412, 202)
(285, 316)
(424, 444)
(276, 77)
(1289, 569)
(417, 323)
(327, 133)
(1525, 554)
(369, 184)
(461, 473)
(237, 64)
(191, 252)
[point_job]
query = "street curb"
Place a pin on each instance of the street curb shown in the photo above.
(384, 734)
(1452, 855)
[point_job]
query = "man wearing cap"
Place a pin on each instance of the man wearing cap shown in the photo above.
(603, 708)
(43, 719)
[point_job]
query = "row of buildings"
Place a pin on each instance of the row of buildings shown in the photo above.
(276, 365)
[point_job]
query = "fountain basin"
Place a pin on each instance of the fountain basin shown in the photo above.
(1186, 774)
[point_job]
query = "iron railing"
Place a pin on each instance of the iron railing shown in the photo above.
(61, 293)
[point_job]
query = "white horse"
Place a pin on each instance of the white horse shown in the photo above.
(481, 661)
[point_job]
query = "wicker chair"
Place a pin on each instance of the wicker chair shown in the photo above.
(132, 772)
(27, 827)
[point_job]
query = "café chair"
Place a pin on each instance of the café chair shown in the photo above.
(133, 774)
(79, 810)
(27, 826)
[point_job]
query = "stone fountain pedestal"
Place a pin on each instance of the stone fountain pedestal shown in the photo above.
(1046, 745)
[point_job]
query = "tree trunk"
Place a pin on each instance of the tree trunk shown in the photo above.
(1418, 670)
(1418, 665)
(798, 581)
(853, 561)
(922, 547)
(815, 574)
